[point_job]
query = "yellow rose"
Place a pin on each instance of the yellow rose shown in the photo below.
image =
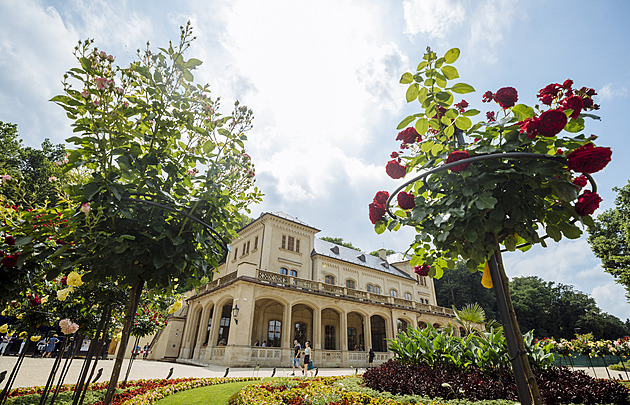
(23, 335)
(44, 299)
(118, 336)
(35, 338)
(74, 279)
(63, 294)
(176, 306)
(20, 316)
(4, 328)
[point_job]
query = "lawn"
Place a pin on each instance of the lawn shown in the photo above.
(213, 394)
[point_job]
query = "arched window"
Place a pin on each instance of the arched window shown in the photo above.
(293, 273)
(393, 293)
(408, 296)
(224, 325)
(329, 337)
(299, 333)
(350, 283)
(329, 280)
(370, 288)
(207, 339)
(284, 271)
(353, 343)
(401, 325)
(273, 335)
(377, 289)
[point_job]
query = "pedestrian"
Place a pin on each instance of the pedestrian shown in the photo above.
(146, 351)
(50, 345)
(136, 350)
(4, 343)
(308, 363)
(257, 343)
(264, 343)
(296, 357)
(370, 357)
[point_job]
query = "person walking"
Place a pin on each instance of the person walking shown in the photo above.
(370, 357)
(146, 349)
(296, 357)
(308, 363)
(50, 346)
(4, 343)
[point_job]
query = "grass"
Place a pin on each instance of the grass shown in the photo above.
(214, 394)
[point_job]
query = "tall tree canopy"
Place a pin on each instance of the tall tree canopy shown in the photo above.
(610, 238)
(340, 242)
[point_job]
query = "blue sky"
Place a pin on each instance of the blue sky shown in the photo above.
(322, 79)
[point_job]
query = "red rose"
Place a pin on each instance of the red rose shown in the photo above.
(64, 280)
(529, 126)
(381, 197)
(506, 97)
(567, 84)
(587, 203)
(34, 300)
(408, 135)
(9, 240)
(458, 155)
(551, 122)
(546, 99)
(406, 200)
(394, 155)
(550, 90)
(10, 260)
(377, 212)
(490, 116)
(487, 96)
(589, 159)
(395, 170)
(422, 270)
(573, 103)
(580, 181)
(462, 104)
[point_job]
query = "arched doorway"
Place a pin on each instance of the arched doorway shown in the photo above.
(356, 332)
(330, 329)
(401, 326)
(224, 325)
(267, 327)
(195, 332)
(379, 344)
(302, 323)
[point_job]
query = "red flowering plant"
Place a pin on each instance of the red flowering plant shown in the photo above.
(495, 197)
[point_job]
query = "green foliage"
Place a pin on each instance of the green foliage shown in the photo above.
(468, 316)
(484, 350)
(63, 398)
(610, 238)
(340, 242)
(387, 252)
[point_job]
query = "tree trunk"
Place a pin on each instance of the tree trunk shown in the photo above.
(134, 299)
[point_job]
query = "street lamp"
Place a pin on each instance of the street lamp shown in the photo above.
(235, 313)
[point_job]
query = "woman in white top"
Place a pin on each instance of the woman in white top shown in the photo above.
(307, 358)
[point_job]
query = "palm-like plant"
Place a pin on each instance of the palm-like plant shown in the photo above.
(470, 315)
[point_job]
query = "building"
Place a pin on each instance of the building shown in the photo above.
(281, 283)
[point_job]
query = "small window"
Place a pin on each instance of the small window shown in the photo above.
(284, 241)
(235, 253)
(408, 296)
(370, 288)
(350, 283)
(297, 245)
(284, 271)
(247, 248)
(255, 243)
(329, 280)
(274, 333)
(290, 245)
(377, 289)
(329, 337)
(293, 273)
(393, 293)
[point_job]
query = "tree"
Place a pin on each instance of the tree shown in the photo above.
(387, 252)
(340, 242)
(469, 315)
(610, 238)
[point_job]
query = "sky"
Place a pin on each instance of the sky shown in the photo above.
(322, 80)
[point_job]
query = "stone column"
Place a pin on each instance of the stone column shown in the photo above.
(317, 335)
(287, 332)
(367, 333)
(343, 337)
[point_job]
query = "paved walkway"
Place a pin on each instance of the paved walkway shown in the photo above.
(35, 371)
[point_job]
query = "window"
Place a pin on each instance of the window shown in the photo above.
(393, 293)
(284, 271)
(297, 245)
(291, 244)
(353, 343)
(293, 273)
(273, 336)
(235, 253)
(247, 248)
(350, 283)
(370, 288)
(299, 333)
(377, 289)
(401, 326)
(284, 241)
(205, 342)
(408, 296)
(224, 325)
(423, 281)
(329, 337)
(255, 243)
(329, 280)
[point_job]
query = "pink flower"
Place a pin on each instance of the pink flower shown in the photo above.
(85, 94)
(85, 208)
(52, 179)
(101, 83)
(5, 177)
(422, 270)
(95, 103)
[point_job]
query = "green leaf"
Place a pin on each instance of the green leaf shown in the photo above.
(451, 55)
(522, 112)
(462, 88)
(426, 146)
(485, 201)
(463, 123)
(588, 220)
(208, 146)
(450, 72)
(437, 148)
(565, 191)
(405, 122)
(86, 63)
(569, 230)
(510, 242)
(380, 227)
(406, 78)
(192, 63)
(449, 131)
(23, 240)
(423, 94)
(471, 112)
(422, 126)
(422, 65)
(575, 125)
(188, 76)
(412, 92)
(90, 189)
(143, 71)
(553, 232)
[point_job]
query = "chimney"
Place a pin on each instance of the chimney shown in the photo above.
(382, 254)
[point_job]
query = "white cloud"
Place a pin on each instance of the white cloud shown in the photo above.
(611, 298)
(612, 91)
(435, 18)
(490, 20)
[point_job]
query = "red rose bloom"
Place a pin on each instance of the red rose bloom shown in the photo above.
(422, 270)
(546, 99)
(567, 84)
(395, 170)
(381, 197)
(406, 200)
(408, 135)
(506, 97)
(394, 155)
(551, 122)
(573, 103)
(462, 104)
(490, 116)
(377, 212)
(529, 126)
(487, 96)
(589, 159)
(9, 240)
(10, 260)
(64, 280)
(587, 203)
(551, 90)
(458, 155)
(34, 300)
(580, 181)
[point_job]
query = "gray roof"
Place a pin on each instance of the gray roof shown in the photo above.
(345, 254)
(284, 215)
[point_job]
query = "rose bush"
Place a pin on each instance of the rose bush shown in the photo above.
(510, 200)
